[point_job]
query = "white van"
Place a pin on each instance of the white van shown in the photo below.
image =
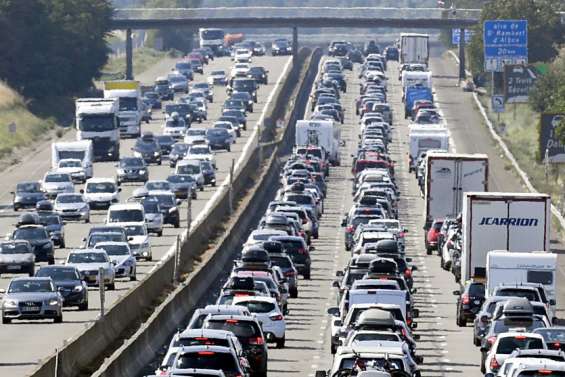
(125, 213)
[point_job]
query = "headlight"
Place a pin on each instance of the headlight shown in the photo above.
(142, 171)
(78, 288)
(10, 303)
(145, 245)
(145, 253)
(85, 208)
(121, 171)
(136, 154)
(156, 154)
(53, 302)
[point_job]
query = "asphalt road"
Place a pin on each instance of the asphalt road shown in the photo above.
(23, 343)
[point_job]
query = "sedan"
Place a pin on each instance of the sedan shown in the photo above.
(17, 257)
(148, 148)
(39, 239)
(201, 152)
(228, 126)
(267, 311)
(219, 138)
(27, 194)
(132, 169)
(125, 264)
(246, 98)
(32, 298)
(217, 78)
(69, 283)
(55, 183)
(260, 74)
(89, 262)
(181, 185)
(72, 207)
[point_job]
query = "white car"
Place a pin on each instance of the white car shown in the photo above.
(242, 55)
(125, 264)
(73, 167)
(193, 168)
(506, 343)
(138, 240)
(217, 78)
(195, 136)
(88, 262)
(240, 70)
(71, 206)
(228, 126)
(55, 183)
(101, 192)
(201, 105)
(267, 311)
(175, 128)
(201, 152)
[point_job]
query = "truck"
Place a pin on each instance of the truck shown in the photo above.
(414, 93)
(131, 107)
(322, 133)
(448, 176)
(415, 78)
(97, 120)
(79, 150)
(507, 267)
(414, 48)
(422, 138)
(519, 222)
(210, 37)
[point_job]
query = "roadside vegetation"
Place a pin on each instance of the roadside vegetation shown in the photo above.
(143, 58)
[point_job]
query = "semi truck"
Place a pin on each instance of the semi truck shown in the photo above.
(322, 133)
(97, 120)
(77, 150)
(447, 177)
(131, 108)
(414, 48)
(519, 222)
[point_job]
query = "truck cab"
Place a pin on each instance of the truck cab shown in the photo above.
(97, 120)
(131, 108)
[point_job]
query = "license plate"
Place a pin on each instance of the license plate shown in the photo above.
(30, 309)
(14, 268)
(477, 302)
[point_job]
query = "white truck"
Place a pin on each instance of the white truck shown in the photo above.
(519, 222)
(97, 120)
(422, 138)
(414, 78)
(73, 150)
(322, 133)
(447, 177)
(414, 48)
(131, 107)
(506, 267)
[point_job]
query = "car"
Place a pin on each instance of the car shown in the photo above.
(228, 126)
(89, 262)
(192, 168)
(178, 82)
(197, 66)
(196, 135)
(55, 183)
(17, 257)
(27, 195)
(174, 126)
(267, 311)
(205, 357)
(245, 97)
(157, 185)
(432, 234)
(101, 192)
(69, 284)
(259, 74)
(178, 151)
(169, 206)
(217, 78)
(201, 152)
(39, 239)
(391, 53)
(163, 89)
(71, 206)
(242, 55)
(154, 218)
(209, 173)
(121, 256)
(185, 69)
(469, 302)
(73, 167)
(238, 115)
(54, 226)
(205, 88)
(185, 111)
(166, 143)
(182, 185)
(281, 47)
(240, 70)
(31, 298)
(244, 84)
(147, 148)
(506, 343)
(152, 99)
(554, 337)
(131, 169)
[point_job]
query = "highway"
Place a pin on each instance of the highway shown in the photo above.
(23, 344)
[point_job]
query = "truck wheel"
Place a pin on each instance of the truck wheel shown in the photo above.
(6, 321)
(51, 260)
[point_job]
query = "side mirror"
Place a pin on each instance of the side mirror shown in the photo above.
(484, 349)
(312, 248)
(414, 290)
(344, 221)
(408, 259)
(81, 191)
(414, 268)
(334, 311)
(416, 336)
(270, 337)
(339, 273)
(114, 262)
(336, 284)
(552, 302)
(119, 189)
(457, 293)
(84, 239)
(179, 202)
(414, 325)
(130, 238)
(415, 313)
(420, 360)
(13, 193)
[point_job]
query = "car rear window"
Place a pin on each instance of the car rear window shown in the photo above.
(476, 290)
(201, 341)
(508, 344)
(207, 360)
(529, 294)
(257, 306)
(281, 262)
(241, 329)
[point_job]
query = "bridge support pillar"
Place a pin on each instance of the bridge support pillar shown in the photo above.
(462, 75)
(129, 55)
(294, 44)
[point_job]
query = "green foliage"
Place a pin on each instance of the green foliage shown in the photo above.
(53, 47)
(548, 96)
(545, 31)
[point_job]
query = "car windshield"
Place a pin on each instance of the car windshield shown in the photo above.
(143, 145)
(14, 248)
(126, 216)
(529, 324)
(364, 337)
(223, 125)
(173, 124)
(57, 178)
(128, 103)
(199, 150)
(217, 132)
(49, 220)
(393, 364)
(28, 187)
(208, 360)
(508, 344)
(30, 286)
(179, 149)
(87, 258)
(196, 132)
(131, 163)
(165, 200)
(531, 295)
(282, 262)
(58, 273)
(180, 178)
(104, 237)
(114, 249)
(135, 230)
(258, 306)
(70, 164)
(182, 66)
(151, 206)
(188, 169)
(299, 199)
(69, 199)
(99, 187)
(157, 185)
(165, 140)
(32, 233)
(241, 329)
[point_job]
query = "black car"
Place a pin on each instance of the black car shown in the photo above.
(240, 116)
(218, 138)
(55, 227)
(355, 55)
(346, 63)
(132, 169)
(168, 204)
(281, 47)
(166, 143)
(339, 78)
(185, 111)
(469, 302)
(178, 151)
(148, 148)
(68, 282)
(209, 173)
(182, 185)
(39, 239)
(27, 195)
(152, 99)
(391, 53)
(245, 97)
(371, 47)
(298, 251)
(248, 85)
(163, 90)
(259, 74)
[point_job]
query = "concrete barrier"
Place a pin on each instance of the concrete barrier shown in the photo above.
(133, 356)
(102, 337)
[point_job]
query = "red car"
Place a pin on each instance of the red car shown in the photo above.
(432, 236)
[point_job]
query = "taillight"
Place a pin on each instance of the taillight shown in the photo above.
(289, 273)
(401, 235)
(304, 221)
(545, 371)
(494, 364)
(520, 337)
(491, 340)
(557, 345)
(408, 273)
(257, 341)
(409, 321)
(301, 251)
(465, 299)
(277, 317)
(232, 321)
(206, 353)
(349, 229)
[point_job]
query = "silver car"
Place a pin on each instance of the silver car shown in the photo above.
(55, 183)
(31, 298)
(89, 262)
(17, 257)
(125, 264)
(72, 206)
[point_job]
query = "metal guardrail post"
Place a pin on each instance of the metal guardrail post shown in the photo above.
(189, 212)
(176, 260)
(230, 192)
(101, 290)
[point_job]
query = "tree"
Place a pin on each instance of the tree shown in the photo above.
(545, 31)
(548, 95)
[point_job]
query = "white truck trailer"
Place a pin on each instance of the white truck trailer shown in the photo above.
(322, 133)
(414, 48)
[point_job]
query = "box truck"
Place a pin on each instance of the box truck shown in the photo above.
(322, 133)
(79, 150)
(415, 78)
(97, 120)
(131, 108)
(519, 222)
(506, 267)
(414, 48)
(448, 176)
(422, 138)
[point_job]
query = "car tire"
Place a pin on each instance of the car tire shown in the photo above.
(16, 209)
(476, 341)
(83, 307)
(294, 293)
(333, 349)
(149, 259)
(133, 276)
(6, 321)
(194, 196)
(112, 287)
(51, 261)
(280, 342)
(87, 220)
(307, 275)
(58, 319)
(31, 272)
(177, 224)
(202, 188)
(228, 148)
(160, 233)
(483, 360)
(62, 244)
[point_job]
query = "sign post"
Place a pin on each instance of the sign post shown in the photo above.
(497, 103)
(505, 42)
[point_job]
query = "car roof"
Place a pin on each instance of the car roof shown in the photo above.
(209, 333)
(84, 251)
(100, 180)
(268, 299)
(192, 349)
(122, 206)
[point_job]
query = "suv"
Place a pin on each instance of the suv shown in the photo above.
(469, 302)
(39, 239)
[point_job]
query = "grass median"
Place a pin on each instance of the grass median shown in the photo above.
(143, 58)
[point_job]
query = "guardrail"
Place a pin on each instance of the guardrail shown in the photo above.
(102, 336)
